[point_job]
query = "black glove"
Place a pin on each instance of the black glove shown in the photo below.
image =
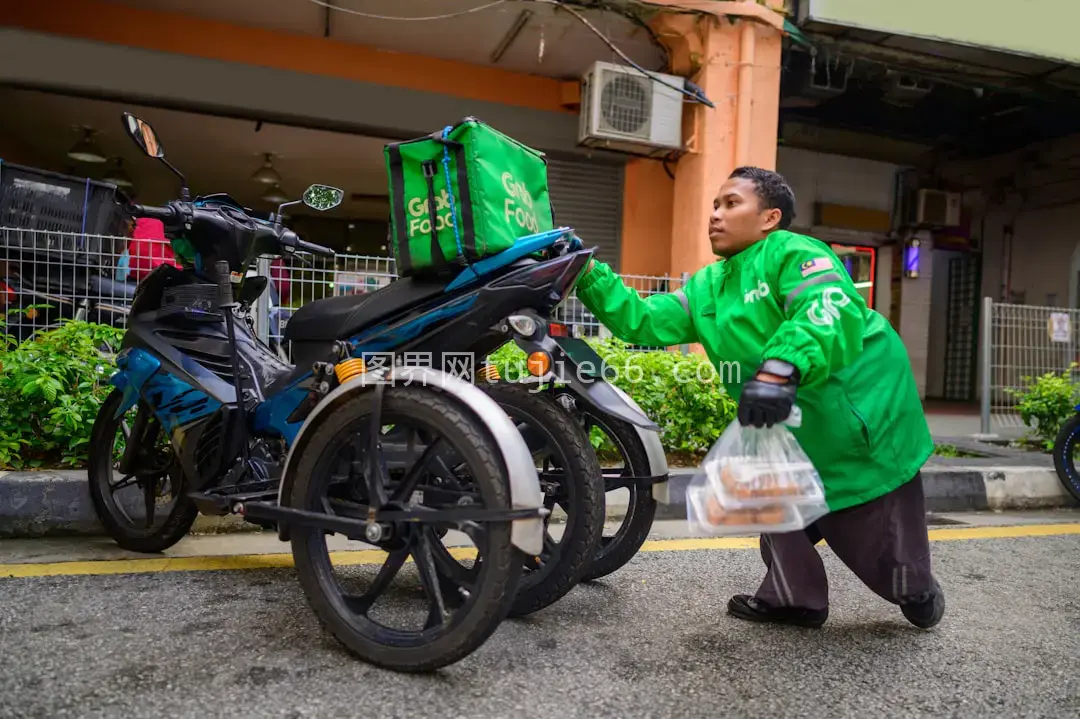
(764, 403)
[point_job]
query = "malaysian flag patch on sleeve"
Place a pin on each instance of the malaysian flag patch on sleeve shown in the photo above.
(819, 264)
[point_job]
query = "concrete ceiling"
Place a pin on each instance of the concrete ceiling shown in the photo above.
(567, 48)
(216, 154)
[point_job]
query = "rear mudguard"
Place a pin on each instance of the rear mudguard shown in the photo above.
(611, 401)
(650, 438)
(526, 534)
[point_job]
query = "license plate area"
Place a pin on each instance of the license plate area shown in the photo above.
(587, 362)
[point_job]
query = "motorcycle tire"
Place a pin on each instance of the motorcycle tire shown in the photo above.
(582, 484)
(148, 540)
(614, 552)
(471, 622)
(1066, 442)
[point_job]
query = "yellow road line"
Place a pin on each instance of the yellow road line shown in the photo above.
(376, 557)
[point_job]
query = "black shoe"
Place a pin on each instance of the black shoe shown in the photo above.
(927, 610)
(753, 609)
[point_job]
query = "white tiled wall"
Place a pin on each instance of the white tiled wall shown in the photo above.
(822, 177)
(915, 306)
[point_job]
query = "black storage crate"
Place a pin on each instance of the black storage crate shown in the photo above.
(68, 212)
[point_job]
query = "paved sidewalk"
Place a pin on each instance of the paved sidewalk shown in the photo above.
(652, 640)
(49, 503)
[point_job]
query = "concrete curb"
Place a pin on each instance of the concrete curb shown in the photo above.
(948, 488)
(57, 502)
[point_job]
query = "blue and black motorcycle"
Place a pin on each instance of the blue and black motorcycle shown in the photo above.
(413, 460)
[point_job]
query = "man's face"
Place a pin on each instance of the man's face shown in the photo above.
(738, 219)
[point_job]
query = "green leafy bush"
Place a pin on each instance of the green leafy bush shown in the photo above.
(1045, 404)
(51, 386)
(951, 451)
(683, 394)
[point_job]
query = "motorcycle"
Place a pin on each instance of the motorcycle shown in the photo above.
(41, 296)
(204, 417)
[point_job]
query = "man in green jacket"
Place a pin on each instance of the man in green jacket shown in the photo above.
(783, 308)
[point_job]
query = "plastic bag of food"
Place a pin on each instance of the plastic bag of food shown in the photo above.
(756, 480)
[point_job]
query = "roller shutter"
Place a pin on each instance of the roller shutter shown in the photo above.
(588, 196)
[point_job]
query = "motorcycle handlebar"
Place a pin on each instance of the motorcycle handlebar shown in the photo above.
(165, 214)
(172, 215)
(289, 239)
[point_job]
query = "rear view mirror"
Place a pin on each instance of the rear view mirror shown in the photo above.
(147, 140)
(323, 197)
(143, 135)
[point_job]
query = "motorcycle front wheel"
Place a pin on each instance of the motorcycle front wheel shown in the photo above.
(144, 508)
(419, 624)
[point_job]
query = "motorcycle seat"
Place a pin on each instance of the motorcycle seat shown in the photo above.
(107, 289)
(338, 318)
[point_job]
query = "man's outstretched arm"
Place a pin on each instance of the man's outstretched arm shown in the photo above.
(660, 320)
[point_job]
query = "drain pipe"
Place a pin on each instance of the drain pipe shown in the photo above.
(745, 98)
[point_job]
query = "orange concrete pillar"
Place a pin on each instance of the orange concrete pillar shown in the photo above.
(737, 65)
(648, 192)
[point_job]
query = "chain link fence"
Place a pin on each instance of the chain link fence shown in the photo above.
(53, 276)
(1020, 343)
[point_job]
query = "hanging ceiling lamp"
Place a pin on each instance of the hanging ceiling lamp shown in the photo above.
(274, 195)
(86, 150)
(266, 174)
(117, 176)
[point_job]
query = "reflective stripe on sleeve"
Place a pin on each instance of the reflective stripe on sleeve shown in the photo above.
(820, 279)
(683, 300)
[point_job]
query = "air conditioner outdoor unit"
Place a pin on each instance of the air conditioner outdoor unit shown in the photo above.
(907, 88)
(627, 111)
(938, 208)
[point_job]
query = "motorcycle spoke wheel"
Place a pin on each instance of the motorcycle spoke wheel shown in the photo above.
(401, 613)
(571, 482)
(143, 509)
(622, 538)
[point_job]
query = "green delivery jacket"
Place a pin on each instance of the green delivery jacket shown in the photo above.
(788, 297)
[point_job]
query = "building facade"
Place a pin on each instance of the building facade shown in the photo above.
(933, 152)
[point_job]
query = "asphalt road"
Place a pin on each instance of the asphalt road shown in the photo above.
(651, 641)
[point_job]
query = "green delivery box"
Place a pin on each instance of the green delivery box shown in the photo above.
(461, 194)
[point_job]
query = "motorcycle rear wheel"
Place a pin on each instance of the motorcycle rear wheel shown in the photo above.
(571, 479)
(452, 630)
(614, 550)
(1065, 446)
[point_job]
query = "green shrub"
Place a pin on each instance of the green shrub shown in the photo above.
(951, 451)
(1045, 404)
(51, 386)
(691, 413)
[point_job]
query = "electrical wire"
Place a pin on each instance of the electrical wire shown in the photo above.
(373, 16)
(690, 90)
(695, 93)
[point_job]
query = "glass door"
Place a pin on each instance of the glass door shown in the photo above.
(861, 263)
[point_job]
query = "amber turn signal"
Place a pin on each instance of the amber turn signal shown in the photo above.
(538, 364)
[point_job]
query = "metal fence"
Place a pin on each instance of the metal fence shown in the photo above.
(94, 277)
(1019, 344)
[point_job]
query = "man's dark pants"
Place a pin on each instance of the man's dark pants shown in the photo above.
(884, 542)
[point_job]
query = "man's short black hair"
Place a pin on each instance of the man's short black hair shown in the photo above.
(772, 190)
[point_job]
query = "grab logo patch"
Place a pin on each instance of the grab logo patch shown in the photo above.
(825, 309)
(760, 293)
